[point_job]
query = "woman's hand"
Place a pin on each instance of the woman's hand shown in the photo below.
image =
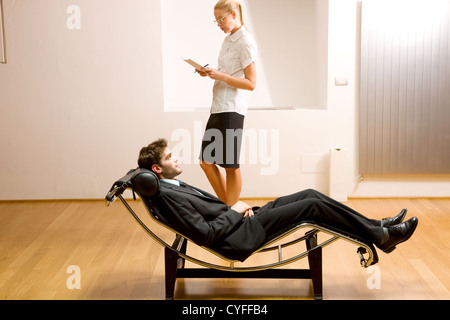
(202, 72)
(215, 74)
(247, 83)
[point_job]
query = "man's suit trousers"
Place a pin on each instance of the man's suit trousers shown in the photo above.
(314, 207)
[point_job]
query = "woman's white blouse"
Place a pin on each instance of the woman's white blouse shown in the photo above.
(238, 52)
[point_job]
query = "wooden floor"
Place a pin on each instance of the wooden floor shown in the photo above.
(39, 241)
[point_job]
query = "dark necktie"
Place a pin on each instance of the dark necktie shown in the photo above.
(184, 185)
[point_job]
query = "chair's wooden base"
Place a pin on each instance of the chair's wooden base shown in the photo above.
(175, 269)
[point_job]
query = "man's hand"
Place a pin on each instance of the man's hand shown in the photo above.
(243, 208)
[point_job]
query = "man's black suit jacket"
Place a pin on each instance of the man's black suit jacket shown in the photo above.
(209, 222)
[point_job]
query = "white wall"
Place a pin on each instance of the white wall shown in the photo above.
(77, 105)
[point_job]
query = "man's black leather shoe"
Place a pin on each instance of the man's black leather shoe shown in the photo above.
(398, 234)
(387, 222)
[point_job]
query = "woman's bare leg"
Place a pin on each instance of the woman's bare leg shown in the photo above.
(216, 179)
(234, 185)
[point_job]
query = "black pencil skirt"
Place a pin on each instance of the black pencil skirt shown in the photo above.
(221, 143)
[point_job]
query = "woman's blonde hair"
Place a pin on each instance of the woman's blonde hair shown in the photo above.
(231, 5)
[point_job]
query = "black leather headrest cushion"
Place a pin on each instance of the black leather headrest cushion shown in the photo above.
(145, 182)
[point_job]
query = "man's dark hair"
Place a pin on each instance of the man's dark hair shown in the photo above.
(151, 154)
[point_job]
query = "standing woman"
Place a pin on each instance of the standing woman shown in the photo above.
(234, 78)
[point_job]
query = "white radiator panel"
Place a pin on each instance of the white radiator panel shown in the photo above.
(405, 87)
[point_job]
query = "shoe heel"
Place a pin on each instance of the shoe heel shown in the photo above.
(390, 250)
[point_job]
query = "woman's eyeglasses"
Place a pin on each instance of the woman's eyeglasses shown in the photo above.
(219, 21)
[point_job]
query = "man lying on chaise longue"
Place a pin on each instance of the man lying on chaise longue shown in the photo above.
(239, 230)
